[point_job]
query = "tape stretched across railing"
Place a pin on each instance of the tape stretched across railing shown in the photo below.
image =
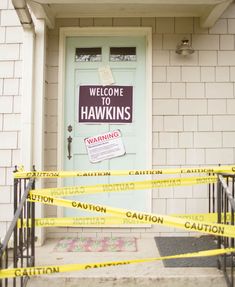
(126, 186)
(185, 170)
(103, 221)
(52, 269)
(150, 218)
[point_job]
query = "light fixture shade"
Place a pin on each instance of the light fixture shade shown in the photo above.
(184, 48)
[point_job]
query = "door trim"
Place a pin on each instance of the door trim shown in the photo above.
(103, 31)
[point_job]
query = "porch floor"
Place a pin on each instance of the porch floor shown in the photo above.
(141, 274)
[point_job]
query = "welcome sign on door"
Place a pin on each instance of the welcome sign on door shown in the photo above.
(105, 104)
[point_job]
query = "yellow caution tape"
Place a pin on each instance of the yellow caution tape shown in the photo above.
(209, 217)
(56, 174)
(189, 225)
(78, 221)
(47, 270)
(126, 186)
(111, 220)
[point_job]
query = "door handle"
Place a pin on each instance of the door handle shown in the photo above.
(69, 139)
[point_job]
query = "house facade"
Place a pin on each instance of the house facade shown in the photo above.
(83, 71)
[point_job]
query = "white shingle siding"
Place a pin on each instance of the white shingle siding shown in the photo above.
(14, 35)
(193, 106)
(2, 178)
(198, 125)
(7, 69)
(11, 37)
(9, 52)
(226, 58)
(9, 18)
(6, 104)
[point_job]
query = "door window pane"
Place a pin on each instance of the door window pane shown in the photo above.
(88, 55)
(122, 54)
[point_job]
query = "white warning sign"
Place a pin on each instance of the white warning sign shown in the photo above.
(105, 146)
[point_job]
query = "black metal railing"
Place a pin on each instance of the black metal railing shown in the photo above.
(212, 196)
(225, 208)
(18, 247)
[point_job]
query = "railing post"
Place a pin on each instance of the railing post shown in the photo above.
(33, 239)
(209, 191)
(232, 239)
(15, 245)
(1, 253)
(219, 210)
(15, 235)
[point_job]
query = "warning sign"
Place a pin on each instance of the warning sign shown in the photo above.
(105, 104)
(105, 146)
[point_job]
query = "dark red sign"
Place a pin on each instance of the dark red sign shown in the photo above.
(105, 104)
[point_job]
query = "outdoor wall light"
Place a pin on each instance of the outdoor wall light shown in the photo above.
(184, 48)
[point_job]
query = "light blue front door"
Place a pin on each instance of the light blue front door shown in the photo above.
(126, 57)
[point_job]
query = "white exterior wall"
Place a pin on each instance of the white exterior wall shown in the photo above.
(11, 35)
(193, 108)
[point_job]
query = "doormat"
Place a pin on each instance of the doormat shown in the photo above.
(104, 244)
(179, 245)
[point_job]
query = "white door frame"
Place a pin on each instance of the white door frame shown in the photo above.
(103, 31)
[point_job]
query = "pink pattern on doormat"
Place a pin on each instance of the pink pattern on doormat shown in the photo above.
(89, 244)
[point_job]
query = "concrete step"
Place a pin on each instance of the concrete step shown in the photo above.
(208, 278)
(151, 274)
